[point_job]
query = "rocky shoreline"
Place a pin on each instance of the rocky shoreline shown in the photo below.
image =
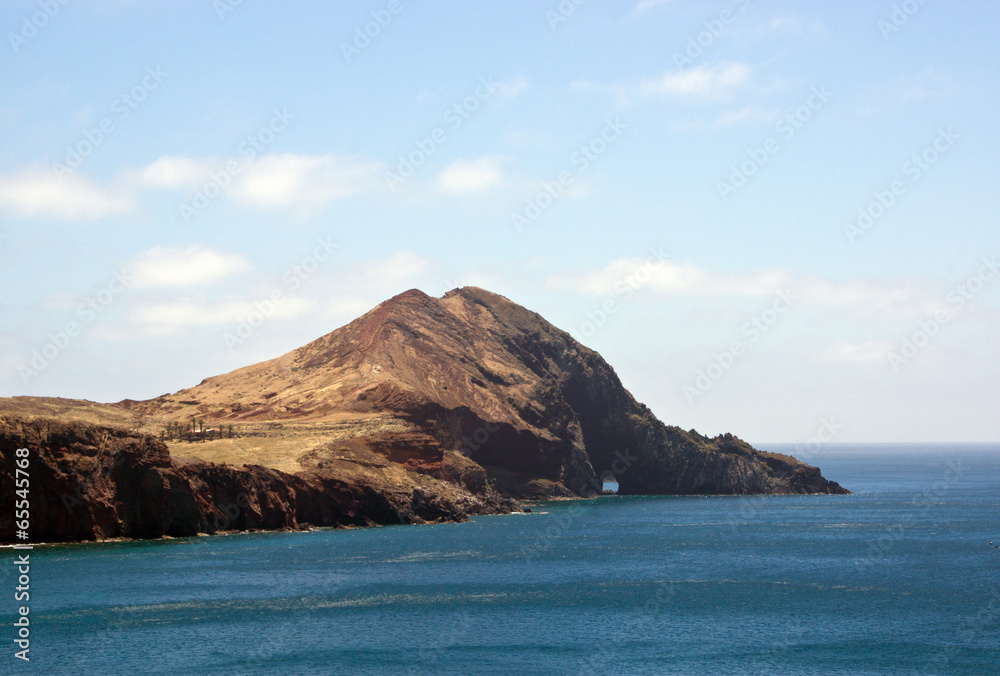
(423, 410)
(90, 483)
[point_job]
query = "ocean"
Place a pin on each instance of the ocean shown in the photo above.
(896, 579)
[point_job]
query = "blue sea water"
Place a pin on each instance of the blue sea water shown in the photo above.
(896, 579)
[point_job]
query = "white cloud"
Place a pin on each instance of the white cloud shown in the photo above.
(671, 278)
(702, 82)
(35, 193)
(293, 179)
(463, 176)
(858, 299)
(175, 171)
(165, 267)
(271, 180)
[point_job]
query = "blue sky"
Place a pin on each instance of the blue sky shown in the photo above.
(772, 218)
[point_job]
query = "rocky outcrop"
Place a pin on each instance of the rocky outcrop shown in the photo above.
(433, 408)
(93, 483)
(476, 374)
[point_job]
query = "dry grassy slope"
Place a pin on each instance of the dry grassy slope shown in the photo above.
(79, 410)
(411, 357)
(352, 384)
(449, 351)
(316, 402)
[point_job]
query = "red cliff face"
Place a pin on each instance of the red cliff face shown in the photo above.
(94, 483)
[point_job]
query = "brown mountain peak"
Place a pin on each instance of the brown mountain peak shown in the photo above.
(471, 361)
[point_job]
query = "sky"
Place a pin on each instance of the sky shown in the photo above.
(772, 218)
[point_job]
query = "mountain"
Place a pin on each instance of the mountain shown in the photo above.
(474, 373)
(423, 409)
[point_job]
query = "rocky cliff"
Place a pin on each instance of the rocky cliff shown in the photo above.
(88, 482)
(424, 408)
(478, 374)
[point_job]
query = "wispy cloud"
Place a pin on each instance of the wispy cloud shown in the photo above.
(702, 82)
(467, 176)
(512, 89)
(707, 82)
(863, 299)
(35, 193)
(645, 5)
(175, 171)
(671, 278)
(274, 180)
(305, 180)
(166, 267)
